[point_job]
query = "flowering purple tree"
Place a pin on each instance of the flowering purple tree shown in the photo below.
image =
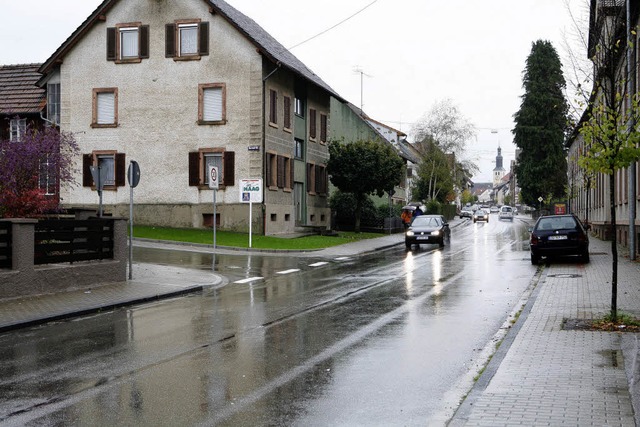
(41, 161)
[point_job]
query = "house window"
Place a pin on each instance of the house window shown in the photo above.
(298, 107)
(53, 102)
(323, 127)
(279, 172)
(17, 128)
(110, 161)
(187, 39)
(105, 108)
(212, 107)
(199, 161)
(312, 124)
(273, 107)
(299, 149)
(287, 113)
(128, 43)
(47, 176)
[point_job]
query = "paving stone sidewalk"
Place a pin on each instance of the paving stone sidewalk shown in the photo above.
(150, 282)
(544, 375)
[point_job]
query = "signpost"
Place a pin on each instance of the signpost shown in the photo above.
(133, 176)
(100, 176)
(250, 192)
(214, 184)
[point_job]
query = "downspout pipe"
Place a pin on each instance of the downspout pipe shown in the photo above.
(632, 168)
(264, 143)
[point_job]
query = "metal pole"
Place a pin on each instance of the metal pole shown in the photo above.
(632, 168)
(130, 230)
(250, 222)
(214, 230)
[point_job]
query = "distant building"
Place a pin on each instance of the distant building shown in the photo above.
(499, 171)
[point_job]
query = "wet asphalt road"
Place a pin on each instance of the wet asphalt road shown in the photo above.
(391, 338)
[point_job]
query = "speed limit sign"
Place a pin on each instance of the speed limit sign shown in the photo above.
(213, 177)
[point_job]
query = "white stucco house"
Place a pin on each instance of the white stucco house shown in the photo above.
(181, 85)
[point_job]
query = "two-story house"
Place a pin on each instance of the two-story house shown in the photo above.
(178, 87)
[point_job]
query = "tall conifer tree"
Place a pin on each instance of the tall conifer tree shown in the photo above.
(540, 127)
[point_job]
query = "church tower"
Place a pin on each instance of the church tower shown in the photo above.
(498, 171)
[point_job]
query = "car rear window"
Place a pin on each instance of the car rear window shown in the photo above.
(506, 209)
(560, 223)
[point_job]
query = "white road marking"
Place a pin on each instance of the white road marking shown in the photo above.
(318, 264)
(247, 280)
(342, 258)
(293, 270)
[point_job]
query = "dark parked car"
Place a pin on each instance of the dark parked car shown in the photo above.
(559, 235)
(427, 229)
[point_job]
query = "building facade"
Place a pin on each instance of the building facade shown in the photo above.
(182, 86)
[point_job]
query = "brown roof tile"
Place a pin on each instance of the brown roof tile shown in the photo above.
(18, 91)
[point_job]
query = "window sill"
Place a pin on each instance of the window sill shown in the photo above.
(212, 123)
(273, 125)
(288, 130)
(206, 187)
(128, 61)
(104, 125)
(312, 139)
(187, 58)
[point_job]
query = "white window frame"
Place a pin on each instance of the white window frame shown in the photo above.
(122, 33)
(188, 29)
(214, 158)
(108, 161)
(17, 128)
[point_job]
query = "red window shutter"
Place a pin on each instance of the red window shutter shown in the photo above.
(170, 41)
(120, 170)
(273, 105)
(323, 127)
(203, 42)
(144, 41)
(312, 123)
(229, 164)
(194, 168)
(309, 178)
(281, 172)
(111, 44)
(267, 174)
(287, 112)
(87, 161)
(291, 173)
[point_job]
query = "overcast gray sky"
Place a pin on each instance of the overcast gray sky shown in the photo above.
(413, 52)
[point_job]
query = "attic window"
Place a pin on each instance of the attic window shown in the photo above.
(127, 43)
(187, 39)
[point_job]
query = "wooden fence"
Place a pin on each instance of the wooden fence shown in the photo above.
(57, 241)
(5, 245)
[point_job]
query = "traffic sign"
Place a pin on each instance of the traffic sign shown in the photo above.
(214, 184)
(251, 190)
(133, 174)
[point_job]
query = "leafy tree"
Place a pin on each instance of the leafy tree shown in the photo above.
(441, 137)
(467, 197)
(42, 156)
(435, 179)
(540, 126)
(611, 132)
(363, 168)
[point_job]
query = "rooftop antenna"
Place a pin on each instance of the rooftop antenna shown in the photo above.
(358, 69)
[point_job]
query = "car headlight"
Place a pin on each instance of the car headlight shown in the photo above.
(435, 233)
(409, 233)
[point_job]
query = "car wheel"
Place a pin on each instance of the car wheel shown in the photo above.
(408, 245)
(442, 242)
(474, 220)
(585, 257)
(534, 259)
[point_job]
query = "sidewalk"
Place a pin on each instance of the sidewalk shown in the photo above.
(150, 282)
(545, 375)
